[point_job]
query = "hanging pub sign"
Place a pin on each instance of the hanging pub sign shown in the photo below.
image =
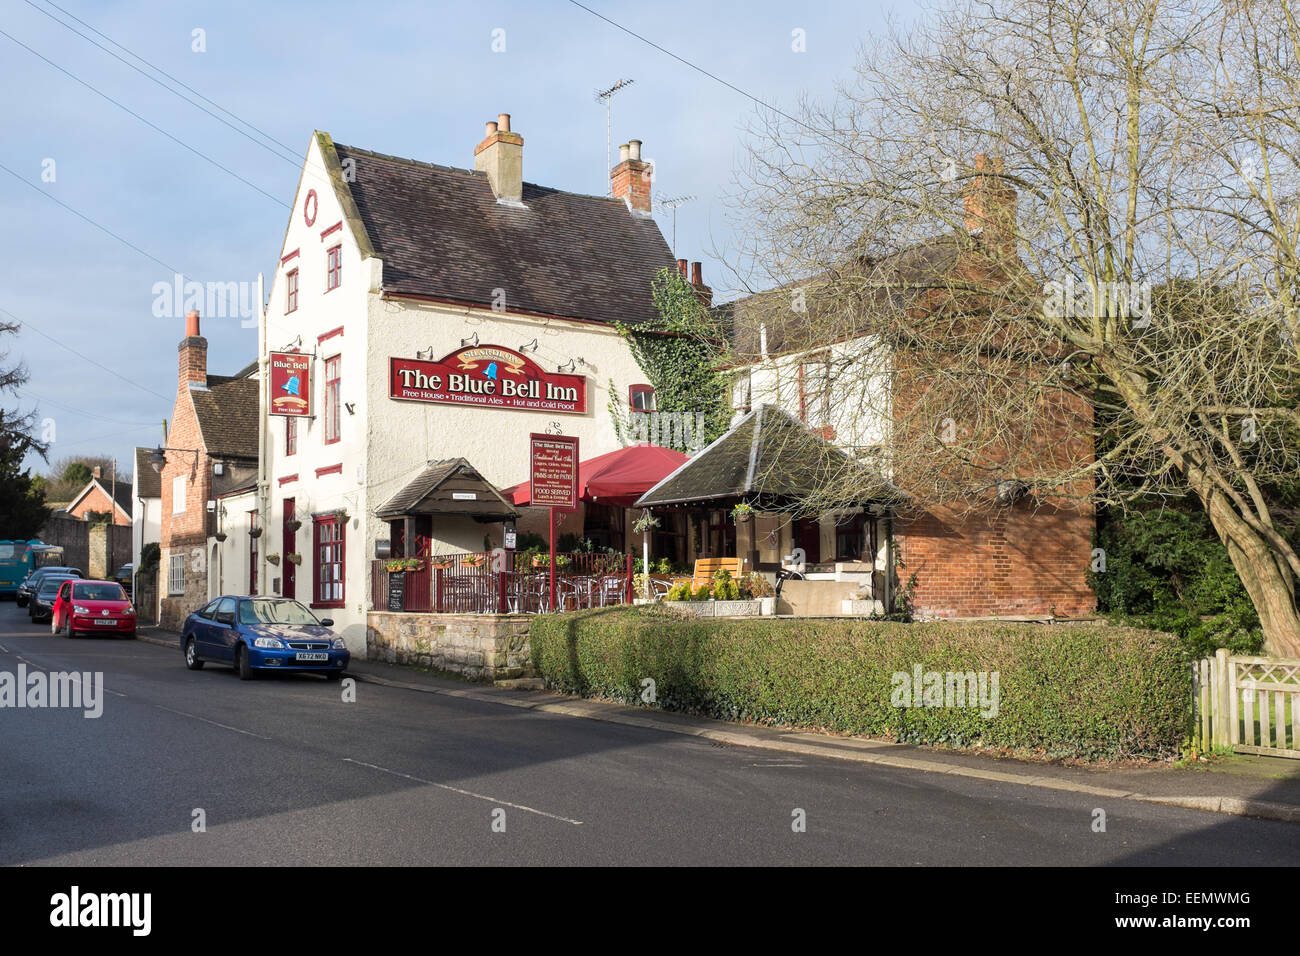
(553, 470)
(488, 376)
(290, 384)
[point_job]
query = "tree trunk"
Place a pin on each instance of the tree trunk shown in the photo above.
(1269, 585)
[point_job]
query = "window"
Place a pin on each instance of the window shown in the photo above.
(814, 390)
(332, 399)
(252, 553)
(291, 291)
(333, 268)
(176, 574)
(641, 398)
(290, 436)
(327, 584)
(178, 495)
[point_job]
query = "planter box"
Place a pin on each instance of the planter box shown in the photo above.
(720, 608)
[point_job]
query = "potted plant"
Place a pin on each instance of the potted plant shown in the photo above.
(475, 560)
(742, 512)
(412, 564)
(272, 559)
(294, 558)
(254, 532)
(395, 564)
(293, 524)
(647, 522)
(221, 536)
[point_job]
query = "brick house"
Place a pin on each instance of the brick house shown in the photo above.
(100, 497)
(1019, 549)
(211, 450)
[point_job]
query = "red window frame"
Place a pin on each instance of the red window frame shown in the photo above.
(634, 391)
(290, 436)
(332, 388)
(291, 291)
(328, 552)
(333, 267)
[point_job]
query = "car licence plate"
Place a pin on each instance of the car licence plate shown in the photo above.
(305, 656)
(105, 620)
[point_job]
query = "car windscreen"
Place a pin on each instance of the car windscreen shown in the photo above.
(50, 586)
(274, 612)
(98, 591)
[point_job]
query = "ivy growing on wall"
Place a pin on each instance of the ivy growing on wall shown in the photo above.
(676, 353)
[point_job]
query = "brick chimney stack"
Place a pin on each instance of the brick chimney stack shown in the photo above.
(631, 179)
(193, 354)
(990, 207)
(697, 283)
(501, 156)
(96, 472)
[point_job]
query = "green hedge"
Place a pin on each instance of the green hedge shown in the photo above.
(1091, 691)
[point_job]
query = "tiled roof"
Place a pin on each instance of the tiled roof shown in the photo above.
(766, 454)
(149, 480)
(442, 234)
(435, 489)
(227, 416)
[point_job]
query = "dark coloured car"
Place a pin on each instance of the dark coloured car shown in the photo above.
(41, 605)
(123, 576)
(33, 580)
(257, 634)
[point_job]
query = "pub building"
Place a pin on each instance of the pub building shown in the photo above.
(441, 316)
(424, 321)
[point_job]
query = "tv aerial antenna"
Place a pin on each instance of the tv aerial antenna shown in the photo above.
(606, 95)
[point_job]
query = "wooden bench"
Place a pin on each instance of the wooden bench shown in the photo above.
(706, 568)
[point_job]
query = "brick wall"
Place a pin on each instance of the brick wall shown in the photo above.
(1013, 560)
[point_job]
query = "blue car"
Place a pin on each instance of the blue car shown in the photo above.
(262, 634)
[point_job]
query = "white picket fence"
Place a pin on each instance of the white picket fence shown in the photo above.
(1251, 704)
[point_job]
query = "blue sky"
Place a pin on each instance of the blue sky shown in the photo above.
(410, 79)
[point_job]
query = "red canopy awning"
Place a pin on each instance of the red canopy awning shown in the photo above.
(617, 478)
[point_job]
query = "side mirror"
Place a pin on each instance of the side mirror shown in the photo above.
(327, 622)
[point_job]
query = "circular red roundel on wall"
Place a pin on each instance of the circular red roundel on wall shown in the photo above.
(309, 207)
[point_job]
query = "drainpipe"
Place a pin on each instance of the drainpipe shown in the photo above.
(263, 430)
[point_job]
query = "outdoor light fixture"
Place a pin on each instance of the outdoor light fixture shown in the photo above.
(568, 366)
(158, 459)
(529, 346)
(472, 340)
(425, 353)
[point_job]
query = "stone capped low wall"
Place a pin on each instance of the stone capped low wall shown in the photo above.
(480, 646)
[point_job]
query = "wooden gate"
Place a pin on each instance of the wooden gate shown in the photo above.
(1251, 704)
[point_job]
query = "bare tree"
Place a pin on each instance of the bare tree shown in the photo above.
(1127, 246)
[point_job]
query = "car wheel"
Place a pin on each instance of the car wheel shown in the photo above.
(242, 663)
(192, 656)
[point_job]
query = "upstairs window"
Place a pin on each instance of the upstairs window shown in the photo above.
(332, 433)
(333, 267)
(178, 495)
(641, 398)
(291, 291)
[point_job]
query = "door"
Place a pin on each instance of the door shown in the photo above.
(62, 605)
(290, 547)
(224, 631)
(808, 535)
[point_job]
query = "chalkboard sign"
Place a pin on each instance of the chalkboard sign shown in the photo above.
(397, 590)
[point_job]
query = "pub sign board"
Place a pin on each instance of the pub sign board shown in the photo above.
(553, 470)
(487, 376)
(290, 384)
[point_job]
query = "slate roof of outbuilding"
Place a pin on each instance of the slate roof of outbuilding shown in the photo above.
(442, 234)
(150, 481)
(767, 453)
(407, 501)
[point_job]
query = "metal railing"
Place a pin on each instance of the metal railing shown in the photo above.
(502, 583)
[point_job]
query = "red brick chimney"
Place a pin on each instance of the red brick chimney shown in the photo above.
(697, 282)
(990, 207)
(193, 354)
(630, 180)
(96, 472)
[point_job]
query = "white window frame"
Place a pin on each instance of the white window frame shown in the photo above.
(178, 495)
(176, 575)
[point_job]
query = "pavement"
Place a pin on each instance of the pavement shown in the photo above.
(1240, 784)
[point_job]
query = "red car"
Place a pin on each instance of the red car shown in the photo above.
(94, 607)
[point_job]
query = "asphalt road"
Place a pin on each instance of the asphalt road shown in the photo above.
(286, 772)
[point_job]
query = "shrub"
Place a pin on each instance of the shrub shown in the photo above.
(702, 593)
(1092, 691)
(724, 587)
(681, 591)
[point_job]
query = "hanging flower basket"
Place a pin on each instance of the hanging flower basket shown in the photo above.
(272, 559)
(742, 512)
(254, 532)
(294, 558)
(293, 525)
(475, 561)
(221, 536)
